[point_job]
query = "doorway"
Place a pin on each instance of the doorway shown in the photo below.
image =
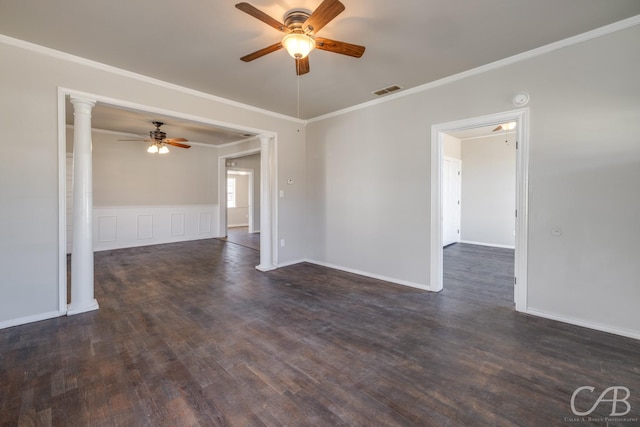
(243, 207)
(267, 148)
(240, 206)
(438, 133)
(478, 260)
(240, 199)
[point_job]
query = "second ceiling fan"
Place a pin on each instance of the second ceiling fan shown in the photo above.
(301, 28)
(159, 140)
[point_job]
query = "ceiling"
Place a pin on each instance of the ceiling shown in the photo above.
(198, 43)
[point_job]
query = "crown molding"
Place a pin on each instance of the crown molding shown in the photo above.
(580, 38)
(10, 41)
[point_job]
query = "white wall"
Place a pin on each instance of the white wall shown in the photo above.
(29, 246)
(368, 188)
(369, 179)
(489, 191)
(124, 174)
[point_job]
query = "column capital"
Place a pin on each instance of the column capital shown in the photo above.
(82, 105)
(264, 138)
(76, 100)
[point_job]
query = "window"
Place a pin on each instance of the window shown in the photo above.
(231, 192)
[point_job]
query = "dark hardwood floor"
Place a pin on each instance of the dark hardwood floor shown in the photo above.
(190, 334)
(241, 236)
(482, 273)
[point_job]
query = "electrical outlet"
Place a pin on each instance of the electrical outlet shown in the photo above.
(282, 243)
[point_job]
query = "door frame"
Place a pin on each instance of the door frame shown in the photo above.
(250, 190)
(521, 116)
(268, 149)
(222, 189)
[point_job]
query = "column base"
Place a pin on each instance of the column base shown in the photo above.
(262, 267)
(77, 309)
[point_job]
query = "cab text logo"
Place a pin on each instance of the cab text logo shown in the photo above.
(617, 396)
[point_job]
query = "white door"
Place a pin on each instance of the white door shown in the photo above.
(451, 193)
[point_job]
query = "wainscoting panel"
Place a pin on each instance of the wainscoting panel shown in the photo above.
(177, 224)
(145, 227)
(129, 226)
(205, 224)
(107, 228)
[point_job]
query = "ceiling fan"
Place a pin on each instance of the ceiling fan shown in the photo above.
(300, 28)
(159, 140)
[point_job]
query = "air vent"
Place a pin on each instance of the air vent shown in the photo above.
(386, 90)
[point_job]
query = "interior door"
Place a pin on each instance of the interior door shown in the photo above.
(451, 203)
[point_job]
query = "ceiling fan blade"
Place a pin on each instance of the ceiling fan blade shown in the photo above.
(320, 17)
(176, 144)
(262, 52)
(258, 14)
(302, 66)
(498, 128)
(175, 140)
(340, 47)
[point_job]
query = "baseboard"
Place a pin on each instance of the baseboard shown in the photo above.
(73, 309)
(493, 245)
(30, 319)
(237, 225)
(585, 324)
(288, 263)
(371, 275)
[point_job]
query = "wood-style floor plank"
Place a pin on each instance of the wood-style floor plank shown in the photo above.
(241, 236)
(191, 334)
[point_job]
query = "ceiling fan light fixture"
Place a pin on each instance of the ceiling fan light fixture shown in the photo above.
(163, 149)
(299, 45)
(153, 148)
(509, 126)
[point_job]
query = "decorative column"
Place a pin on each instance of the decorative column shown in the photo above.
(82, 298)
(266, 173)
